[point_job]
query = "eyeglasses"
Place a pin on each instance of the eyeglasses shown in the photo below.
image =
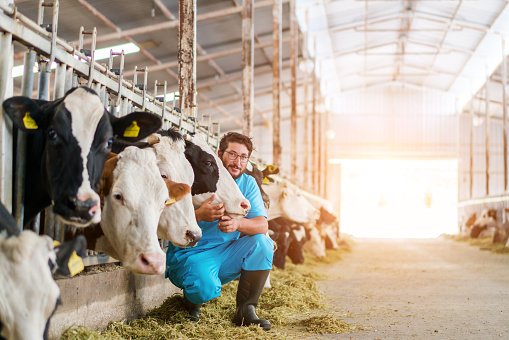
(233, 156)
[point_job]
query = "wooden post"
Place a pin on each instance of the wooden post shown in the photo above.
(293, 68)
(187, 56)
(504, 108)
(487, 133)
(471, 148)
(248, 66)
(277, 11)
(314, 121)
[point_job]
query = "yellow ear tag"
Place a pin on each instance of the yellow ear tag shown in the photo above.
(271, 168)
(29, 122)
(265, 180)
(170, 202)
(55, 244)
(132, 130)
(75, 264)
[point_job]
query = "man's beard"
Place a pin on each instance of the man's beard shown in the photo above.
(236, 167)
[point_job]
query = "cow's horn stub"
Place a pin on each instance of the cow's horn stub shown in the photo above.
(153, 139)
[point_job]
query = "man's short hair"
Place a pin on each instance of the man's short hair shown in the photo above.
(235, 137)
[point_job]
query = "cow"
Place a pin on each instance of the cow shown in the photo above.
(315, 243)
(485, 224)
(178, 222)
(261, 177)
(287, 201)
(501, 234)
(134, 195)
(28, 294)
(68, 141)
(289, 238)
(212, 178)
(329, 226)
(467, 226)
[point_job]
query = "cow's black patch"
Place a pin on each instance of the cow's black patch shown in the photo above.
(205, 168)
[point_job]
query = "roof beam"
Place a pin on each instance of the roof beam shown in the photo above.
(174, 24)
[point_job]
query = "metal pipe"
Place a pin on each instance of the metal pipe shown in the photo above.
(27, 86)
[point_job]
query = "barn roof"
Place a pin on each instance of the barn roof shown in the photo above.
(451, 46)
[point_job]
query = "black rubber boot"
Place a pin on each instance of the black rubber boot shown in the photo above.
(250, 287)
(193, 309)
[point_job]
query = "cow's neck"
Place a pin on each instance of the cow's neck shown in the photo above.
(36, 195)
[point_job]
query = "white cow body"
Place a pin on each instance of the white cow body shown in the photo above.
(236, 205)
(28, 293)
(286, 200)
(131, 212)
(178, 222)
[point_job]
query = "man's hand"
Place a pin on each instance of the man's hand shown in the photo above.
(209, 212)
(228, 225)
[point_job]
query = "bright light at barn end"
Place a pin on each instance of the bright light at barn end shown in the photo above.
(395, 198)
(100, 54)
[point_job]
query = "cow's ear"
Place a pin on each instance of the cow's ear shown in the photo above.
(107, 175)
(25, 113)
(177, 191)
(270, 170)
(69, 256)
(135, 126)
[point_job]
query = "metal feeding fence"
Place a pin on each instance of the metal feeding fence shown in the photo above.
(75, 66)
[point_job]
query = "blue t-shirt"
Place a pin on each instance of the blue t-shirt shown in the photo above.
(211, 235)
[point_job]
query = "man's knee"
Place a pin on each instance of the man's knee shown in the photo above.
(264, 243)
(201, 290)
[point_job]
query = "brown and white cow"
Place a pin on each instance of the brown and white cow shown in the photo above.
(134, 195)
(485, 224)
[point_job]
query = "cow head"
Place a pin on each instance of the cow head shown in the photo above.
(28, 294)
(288, 201)
(178, 222)
(134, 196)
(253, 171)
(211, 177)
(70, 139)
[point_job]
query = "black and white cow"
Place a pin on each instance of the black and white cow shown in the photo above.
(212, 178)
(262, 177)
(28, 294)
(290, 238)
(68, 141)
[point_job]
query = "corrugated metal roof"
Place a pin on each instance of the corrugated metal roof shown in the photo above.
(450, 45)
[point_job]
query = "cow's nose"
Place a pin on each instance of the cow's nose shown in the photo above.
(245, 205)
(85, 205)
(151, 264)
(192, 238)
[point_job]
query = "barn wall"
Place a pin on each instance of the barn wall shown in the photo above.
(394, 122)
(386, 122)
(96, 299)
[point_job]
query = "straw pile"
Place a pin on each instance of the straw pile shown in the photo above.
(293, 294)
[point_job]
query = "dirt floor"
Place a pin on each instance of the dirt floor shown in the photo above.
(419, 289)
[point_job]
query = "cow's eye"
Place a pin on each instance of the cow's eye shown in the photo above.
(164, 176)
(109, 143)
(208, 163)
(118, 197)
(52, 134)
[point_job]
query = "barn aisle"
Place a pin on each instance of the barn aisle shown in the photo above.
(419, 288)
